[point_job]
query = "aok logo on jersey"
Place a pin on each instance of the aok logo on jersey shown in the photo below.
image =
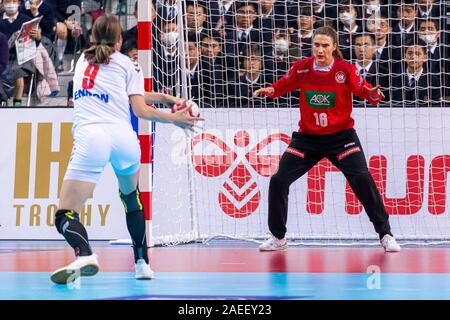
(34, 204)
(320, 100)
(239, 196)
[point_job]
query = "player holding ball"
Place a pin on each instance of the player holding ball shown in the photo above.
(105, 83)
(326, 84)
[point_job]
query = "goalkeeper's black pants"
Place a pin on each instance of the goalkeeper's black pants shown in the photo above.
(344, 150)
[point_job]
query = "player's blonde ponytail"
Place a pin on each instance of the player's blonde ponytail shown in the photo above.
(330, 32)
(106, 33)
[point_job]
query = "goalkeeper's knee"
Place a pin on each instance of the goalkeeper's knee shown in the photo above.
(132, 202)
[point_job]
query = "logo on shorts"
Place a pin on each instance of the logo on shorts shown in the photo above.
(340, 77)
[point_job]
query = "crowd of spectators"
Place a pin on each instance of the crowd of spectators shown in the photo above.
(240, 46)
(218, 52)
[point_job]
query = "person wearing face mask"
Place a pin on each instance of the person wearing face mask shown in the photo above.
(438, 55)
(349, 24)
(278, 62)
(10, 24)
(166, 58)
(429, 33)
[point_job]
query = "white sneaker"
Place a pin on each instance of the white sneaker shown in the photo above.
(390, 244)
(83, 266)
(273, 244)
(143, 270)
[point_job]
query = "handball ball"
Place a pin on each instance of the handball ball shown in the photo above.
(193, 112)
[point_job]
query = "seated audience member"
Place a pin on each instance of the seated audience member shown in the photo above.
(373, 71)
(166, 59)
(10, 24)
(370, 8)
(431, 9)
(349, 24)
(68, 29)
(386, 52)
(196, 15)
(404, 28)
(416, 86)
(304, 30)
(251, 80)
(438, 52)
(129, 48)
(212, 65)
(239, 37)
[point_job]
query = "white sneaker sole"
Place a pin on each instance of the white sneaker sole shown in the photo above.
(274, 249)
(145, 277)
(395, 250)
(61, 276)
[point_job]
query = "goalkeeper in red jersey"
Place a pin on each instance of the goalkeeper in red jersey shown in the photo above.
(326, 84)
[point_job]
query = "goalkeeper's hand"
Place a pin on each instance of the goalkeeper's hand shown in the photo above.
(268, 92)
(375, 95)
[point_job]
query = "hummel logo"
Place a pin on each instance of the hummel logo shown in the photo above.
(349, 144)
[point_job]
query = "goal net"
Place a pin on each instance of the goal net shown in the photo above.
(214, 182)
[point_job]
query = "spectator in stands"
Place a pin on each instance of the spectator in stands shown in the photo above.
(4, 59)
(10, 24)
(429, 33)
(373, 71)
(277, 64)
(40, 8)
(405, 27)
(196, 14)
(438, 52)
(226, 14)
(4, 52)
(166, 58)
(167, 10)
(430, 9)
(370, 8)
(272, 15)
(192, 58)
(302, 37)
(129, 48)
(252, 79)
(241, 36)
(212, 67)
(416, 86)
(324, 11)
(68, 28)
(349, 24)
(386, 52)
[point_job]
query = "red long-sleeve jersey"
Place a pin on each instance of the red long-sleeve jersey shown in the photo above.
(325, 97)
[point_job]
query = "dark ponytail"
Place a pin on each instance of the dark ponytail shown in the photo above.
(106, 32)
(330, 32)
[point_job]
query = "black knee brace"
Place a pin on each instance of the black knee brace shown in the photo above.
(132, 202)
(62, 216)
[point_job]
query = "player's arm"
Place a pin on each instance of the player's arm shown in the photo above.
(363, 89)
(159, 97)
(180, 118)
(285, 84)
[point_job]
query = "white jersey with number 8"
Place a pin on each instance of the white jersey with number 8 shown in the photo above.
(101, 92)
